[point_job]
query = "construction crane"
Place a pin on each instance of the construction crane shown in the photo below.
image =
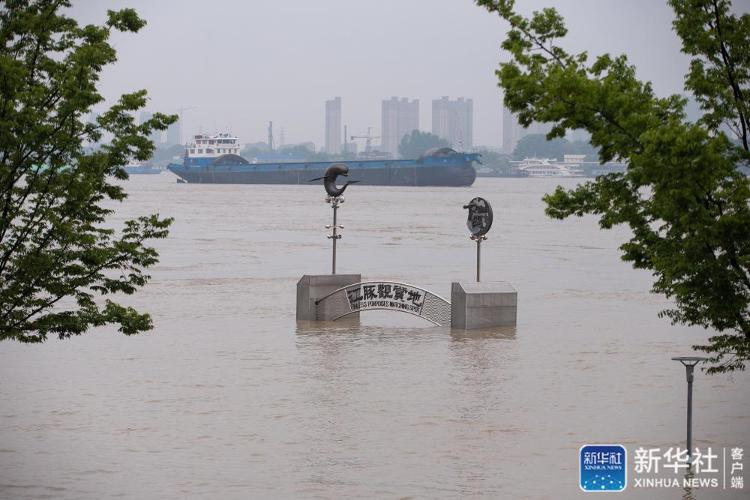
(368, 138)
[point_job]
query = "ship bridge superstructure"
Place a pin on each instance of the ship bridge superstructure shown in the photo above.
(212, 146)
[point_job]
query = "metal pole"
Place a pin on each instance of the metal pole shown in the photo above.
(479, 256)
(335, 207)
(689, 363)
(689, 373)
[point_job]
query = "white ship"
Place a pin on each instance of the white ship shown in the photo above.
(545, 167)
(206, 148)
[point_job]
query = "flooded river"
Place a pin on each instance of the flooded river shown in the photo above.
(228, 397)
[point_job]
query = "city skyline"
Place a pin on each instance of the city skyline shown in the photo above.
(451, 120)
(327, 51)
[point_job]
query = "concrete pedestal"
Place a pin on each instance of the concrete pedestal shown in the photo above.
(312, 287)
(483, 305)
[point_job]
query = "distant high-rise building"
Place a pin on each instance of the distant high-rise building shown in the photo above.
(174, 133)
(156, 134)
(399, 117)
(333, 126)
(453, 121)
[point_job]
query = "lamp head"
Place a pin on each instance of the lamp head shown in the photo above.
(689, 360)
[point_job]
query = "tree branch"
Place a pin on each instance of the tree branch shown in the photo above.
(730, 71)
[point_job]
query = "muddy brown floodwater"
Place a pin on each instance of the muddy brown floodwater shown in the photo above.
(228, 397)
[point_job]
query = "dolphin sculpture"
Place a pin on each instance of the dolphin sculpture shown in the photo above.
(329, 179)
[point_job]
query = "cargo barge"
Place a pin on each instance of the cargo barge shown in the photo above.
(216, 160)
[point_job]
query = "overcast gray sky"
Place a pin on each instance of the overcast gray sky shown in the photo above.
(242, 64)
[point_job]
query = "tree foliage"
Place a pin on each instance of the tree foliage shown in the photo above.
(59, 260)
(537, 146)
(493, 159)
(416, 143)
(682, 195)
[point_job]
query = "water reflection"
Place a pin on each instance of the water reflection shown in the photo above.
(353, 327)
(687, 490)
(345, 324)
(496, 333)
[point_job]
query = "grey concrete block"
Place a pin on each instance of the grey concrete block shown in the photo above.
(312, 287)
(483, 305)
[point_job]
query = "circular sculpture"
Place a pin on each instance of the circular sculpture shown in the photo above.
(480, 217)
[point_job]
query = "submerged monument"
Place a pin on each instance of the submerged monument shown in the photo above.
(328, 297)
(311, 288)
(482, 304)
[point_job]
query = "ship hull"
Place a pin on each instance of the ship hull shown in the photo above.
(140, 170)
(374, 173)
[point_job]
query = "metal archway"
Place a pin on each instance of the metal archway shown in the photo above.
(384, 295)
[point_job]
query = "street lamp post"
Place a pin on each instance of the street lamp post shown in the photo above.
(334, 201)
(689, 362)
(335, 197)
(479, 252)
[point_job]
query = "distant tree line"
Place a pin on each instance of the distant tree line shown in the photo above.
(412, 146)
(493, 160)
(416, 143)
(537, 145)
